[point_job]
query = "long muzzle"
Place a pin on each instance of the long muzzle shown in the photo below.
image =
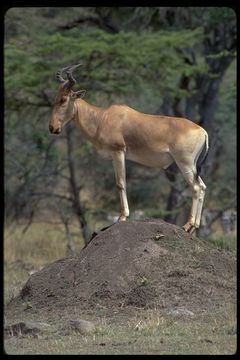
(55, 130)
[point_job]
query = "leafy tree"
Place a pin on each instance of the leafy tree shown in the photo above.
(178, 69)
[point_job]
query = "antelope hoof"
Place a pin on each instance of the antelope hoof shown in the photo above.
(122, 218)
(192, 230)
(187, 227)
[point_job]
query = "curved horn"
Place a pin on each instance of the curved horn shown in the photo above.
(70, 77)
(68, 69)
(59, 74)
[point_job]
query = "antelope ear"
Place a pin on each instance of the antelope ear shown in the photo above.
(80, 93)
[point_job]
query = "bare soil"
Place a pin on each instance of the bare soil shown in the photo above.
(145, 264)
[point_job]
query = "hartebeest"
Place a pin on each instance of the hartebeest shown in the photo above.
(120, 132)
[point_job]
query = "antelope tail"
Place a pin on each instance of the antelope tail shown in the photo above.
(202, 156)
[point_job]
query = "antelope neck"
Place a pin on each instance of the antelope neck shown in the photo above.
(88, 118)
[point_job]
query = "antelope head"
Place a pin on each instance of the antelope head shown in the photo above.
(63, 108)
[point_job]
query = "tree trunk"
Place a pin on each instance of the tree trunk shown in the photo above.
(77, 206)
(206, 99)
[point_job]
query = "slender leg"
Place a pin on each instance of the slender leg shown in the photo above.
(200, 196)
(120, 174)
(200, 202)
(190, 226)
(189, 175)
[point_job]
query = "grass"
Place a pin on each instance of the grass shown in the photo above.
(224, 241)
(145, 332)
(41, 244)
(142, 332)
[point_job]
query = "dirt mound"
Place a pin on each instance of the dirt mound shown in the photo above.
(146, 263)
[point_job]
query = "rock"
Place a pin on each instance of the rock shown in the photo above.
(158, 236)
(25, 328)
(180, 311)
(82, 326)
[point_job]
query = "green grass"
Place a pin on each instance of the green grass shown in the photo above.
(224, 241)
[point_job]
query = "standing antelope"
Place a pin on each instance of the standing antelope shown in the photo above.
(120, 133)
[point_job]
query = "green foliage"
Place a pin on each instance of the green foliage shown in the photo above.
(144, 58)
(107, 58)
(224, 194)
(214, 15)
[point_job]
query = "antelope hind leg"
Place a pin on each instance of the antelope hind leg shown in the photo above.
(200, 202)
(188, 172)
(199, 190)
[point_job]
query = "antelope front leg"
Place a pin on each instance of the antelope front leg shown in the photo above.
(120, 174)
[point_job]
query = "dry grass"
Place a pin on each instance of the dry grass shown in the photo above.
(24, 253)
(42, 243)
(145, 332)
